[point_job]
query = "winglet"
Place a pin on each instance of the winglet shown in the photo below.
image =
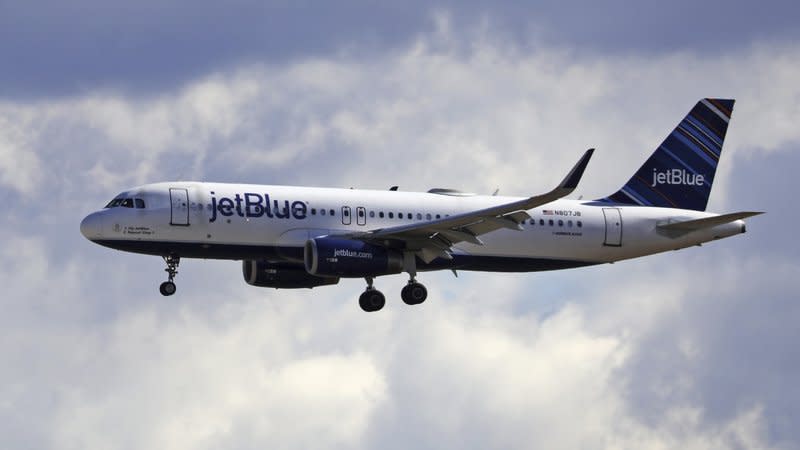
(571, 180)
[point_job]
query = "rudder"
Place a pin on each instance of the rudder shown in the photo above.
(680, 173)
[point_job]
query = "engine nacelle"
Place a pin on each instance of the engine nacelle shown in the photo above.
(282, 276)
(335, 257)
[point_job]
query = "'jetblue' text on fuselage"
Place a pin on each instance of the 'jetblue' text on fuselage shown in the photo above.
(251, 204)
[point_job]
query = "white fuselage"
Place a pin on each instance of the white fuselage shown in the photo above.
(234, 221)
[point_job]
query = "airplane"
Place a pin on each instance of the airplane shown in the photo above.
(306, 237)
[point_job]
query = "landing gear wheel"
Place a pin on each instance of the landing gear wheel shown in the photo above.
(167, 288)
(371, 300)
(414, 293)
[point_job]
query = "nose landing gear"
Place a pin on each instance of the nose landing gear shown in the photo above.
(168, 288)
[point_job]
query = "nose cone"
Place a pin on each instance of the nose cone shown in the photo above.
(92, 226)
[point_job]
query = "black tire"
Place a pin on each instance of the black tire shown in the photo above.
(414, 294)
(167, 288)
(371, 300)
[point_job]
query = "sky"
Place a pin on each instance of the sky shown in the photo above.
(693, 349)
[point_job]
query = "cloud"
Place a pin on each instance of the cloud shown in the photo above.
(210, 388)
(68, 49)
(19, 164)
(485, 116)
(300, 369)
(689, 349)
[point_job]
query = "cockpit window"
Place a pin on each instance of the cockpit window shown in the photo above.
(126, 203)
(114, 203)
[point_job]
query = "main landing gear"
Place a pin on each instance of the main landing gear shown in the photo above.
(414, 293)
(168, 287)
(373, 300)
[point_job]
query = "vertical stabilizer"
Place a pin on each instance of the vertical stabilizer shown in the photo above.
(681, 171)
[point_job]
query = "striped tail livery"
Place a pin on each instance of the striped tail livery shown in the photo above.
(681, 171)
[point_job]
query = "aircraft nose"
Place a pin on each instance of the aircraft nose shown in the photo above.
(92, 226)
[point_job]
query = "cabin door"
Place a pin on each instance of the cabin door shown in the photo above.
(613, 227)
(179, 199)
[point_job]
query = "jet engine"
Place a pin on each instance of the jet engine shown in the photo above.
(347, 258)
(281, 276)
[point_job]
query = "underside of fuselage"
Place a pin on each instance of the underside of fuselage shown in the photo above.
(486, 263)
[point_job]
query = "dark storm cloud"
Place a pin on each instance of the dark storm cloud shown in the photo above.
(64, 48)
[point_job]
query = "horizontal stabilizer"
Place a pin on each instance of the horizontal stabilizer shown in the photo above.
(708, 222)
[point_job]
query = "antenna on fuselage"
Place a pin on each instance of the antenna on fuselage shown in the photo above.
(393, 188)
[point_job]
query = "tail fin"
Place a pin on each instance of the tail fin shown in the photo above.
(681, 171)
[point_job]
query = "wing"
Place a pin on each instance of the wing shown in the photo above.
(435, 238)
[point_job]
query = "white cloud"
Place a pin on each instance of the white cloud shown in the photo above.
(19, 164)
(210, 387)
(248, 372)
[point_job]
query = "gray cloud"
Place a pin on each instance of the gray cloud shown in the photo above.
(71, 48)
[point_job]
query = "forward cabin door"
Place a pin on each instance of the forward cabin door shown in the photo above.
(179, 199)
(613, 227)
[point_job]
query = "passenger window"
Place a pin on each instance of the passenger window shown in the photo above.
(550, 222)
(569, 223)
(139, 203)
(391, 215)
(333, 213)
(561, 223)
(541, 221)
(127, 203)
(427, 217)
(322, 212)
(410, 216)
(372, 214)
(580, 224)
(380, 214)
(313, 211)
(399, 215)
(438, 216)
